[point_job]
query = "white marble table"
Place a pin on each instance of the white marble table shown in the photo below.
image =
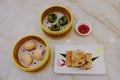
(21, 17)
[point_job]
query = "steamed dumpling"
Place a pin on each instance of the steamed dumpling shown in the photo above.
(29, 45)
(38, 53)
(26, 59)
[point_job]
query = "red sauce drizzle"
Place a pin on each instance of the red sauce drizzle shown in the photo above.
(83, 29)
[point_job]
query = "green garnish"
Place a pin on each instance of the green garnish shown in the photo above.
(63, 20)
(64, 55)
(52, 17)
(94, 58)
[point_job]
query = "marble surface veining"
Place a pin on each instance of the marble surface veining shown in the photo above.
(21, 17)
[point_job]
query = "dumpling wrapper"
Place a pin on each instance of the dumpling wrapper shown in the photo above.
(38, 53)
(29, 45)
(26, 59)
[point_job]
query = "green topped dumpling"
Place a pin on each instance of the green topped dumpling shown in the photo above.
(63, 20)
(52, 17)
(55, 27)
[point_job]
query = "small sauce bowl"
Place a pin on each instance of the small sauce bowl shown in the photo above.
(83, 28)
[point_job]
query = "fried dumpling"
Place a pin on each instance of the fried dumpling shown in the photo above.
(29, 45)
(38, 53)
(26, 59)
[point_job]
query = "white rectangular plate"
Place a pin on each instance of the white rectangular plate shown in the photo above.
(96, 50)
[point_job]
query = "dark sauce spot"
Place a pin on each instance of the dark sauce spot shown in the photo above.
(81, 57)
(48, 27)
(87, 68)
(40, 45)
(79, 63)
(34, 62)
(47, 22)
(23, 50)
(43, 53)
(73, 61)
(86, 62)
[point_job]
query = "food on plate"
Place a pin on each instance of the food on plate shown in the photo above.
(79, 59)
(55, 27)
(88, 62)
(69, 58)
(38, 53)
(29, 45)
(63, 20)
(26, 59)
(52, 17)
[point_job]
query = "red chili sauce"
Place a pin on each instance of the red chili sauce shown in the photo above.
(83, 28)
